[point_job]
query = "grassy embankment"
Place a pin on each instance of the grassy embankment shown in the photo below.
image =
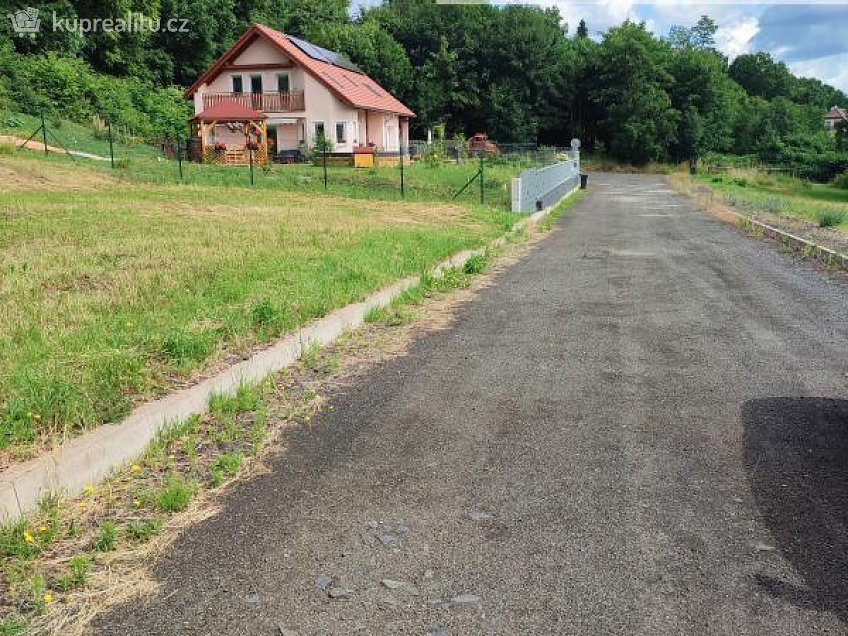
(116, 290)
(754, 192)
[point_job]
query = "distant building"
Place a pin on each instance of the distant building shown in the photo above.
(833, 117)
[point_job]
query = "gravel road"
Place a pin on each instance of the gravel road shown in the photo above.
(640, 428)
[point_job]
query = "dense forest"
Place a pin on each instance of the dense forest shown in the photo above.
(518, 73)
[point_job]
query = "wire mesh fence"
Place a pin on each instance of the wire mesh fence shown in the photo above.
(445, 172)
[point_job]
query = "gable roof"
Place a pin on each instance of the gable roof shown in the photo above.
(229, 111)
(837, 113)
(349, 85)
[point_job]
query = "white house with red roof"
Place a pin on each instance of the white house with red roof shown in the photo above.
(833, 117)
(279, 95)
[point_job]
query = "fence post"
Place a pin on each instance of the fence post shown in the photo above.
(402, 187)
(180, 160)
(325, 164)
(44, 131)
(111, 148)
(250, 155)
(482, 178)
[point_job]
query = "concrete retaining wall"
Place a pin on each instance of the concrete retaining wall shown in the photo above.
(538, 188)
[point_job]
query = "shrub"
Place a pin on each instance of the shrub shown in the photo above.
(842, 181)
(830, 218)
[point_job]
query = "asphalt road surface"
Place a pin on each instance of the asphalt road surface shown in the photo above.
(641, 428)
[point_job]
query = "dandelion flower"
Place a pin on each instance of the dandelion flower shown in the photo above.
(137, 502)
(42, 528)
(48, 597)
(28, 538)
(135, 468)
(88, 489)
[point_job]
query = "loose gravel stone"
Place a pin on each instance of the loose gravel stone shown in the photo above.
(339, 592)
(323, 582)
(465, 599)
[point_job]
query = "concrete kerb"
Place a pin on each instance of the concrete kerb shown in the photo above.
(829, 257)
(89, 458)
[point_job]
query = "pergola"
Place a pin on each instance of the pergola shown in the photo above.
(226, 132)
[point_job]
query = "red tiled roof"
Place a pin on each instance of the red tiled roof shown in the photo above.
(229, 111)
(357, 89)
(836, 113)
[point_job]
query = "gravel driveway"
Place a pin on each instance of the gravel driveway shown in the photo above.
(641, 428)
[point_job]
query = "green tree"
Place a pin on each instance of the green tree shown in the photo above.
(841, 136)
(640, 123)
(212, 28)
(761, 76)
(373, 50)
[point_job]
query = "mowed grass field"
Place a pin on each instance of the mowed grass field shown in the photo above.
(114, 291)
(754, 191)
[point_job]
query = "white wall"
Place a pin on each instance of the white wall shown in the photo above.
(323, 106)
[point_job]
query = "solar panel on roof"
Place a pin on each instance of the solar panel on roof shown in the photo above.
(324, 55)
(373, 90)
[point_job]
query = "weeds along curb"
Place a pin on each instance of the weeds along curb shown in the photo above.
(829, 257)
(809, 249)
(89, 458)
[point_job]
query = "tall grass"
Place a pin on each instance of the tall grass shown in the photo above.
(781, 194)
(113, 291)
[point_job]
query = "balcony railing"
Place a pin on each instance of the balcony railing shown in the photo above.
(265, 102)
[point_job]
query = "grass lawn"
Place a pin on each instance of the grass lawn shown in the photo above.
(114, 291)
(144, 163)
(75, 136)
(757, 192)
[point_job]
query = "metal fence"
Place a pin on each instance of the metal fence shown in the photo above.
(447, 171)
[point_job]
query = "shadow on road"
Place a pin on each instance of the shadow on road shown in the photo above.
(796, 454)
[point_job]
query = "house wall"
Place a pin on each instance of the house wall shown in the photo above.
(384, 130)
(323, 106)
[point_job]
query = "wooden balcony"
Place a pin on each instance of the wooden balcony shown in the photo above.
(264, 102)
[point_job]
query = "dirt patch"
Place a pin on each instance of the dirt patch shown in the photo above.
(23, 173)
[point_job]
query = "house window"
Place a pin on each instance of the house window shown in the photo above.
(255, 83)
(283, 83)
(341, 132)
(320, 135)
(238, 87)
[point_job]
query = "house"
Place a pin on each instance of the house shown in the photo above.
(277, 94)
(833, 117)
